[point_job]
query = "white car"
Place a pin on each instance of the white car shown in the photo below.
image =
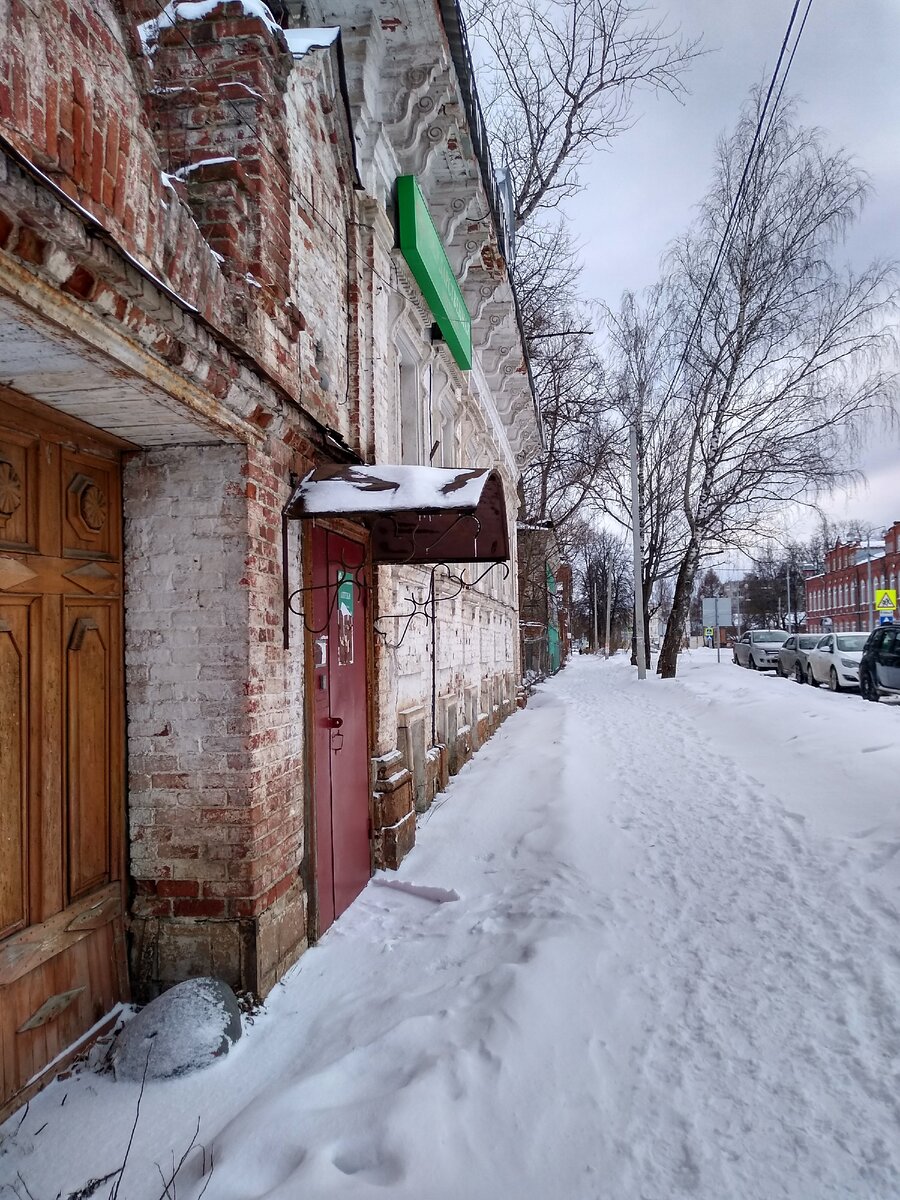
(759, 649)
(835, 660)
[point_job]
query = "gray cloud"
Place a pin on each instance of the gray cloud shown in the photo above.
(641, 194)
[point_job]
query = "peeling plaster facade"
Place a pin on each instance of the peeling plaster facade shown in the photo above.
(197, 257)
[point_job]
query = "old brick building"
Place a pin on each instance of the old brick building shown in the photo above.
(840, 597)
(217, 718)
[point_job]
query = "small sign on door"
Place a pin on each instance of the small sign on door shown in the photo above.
(345, 584)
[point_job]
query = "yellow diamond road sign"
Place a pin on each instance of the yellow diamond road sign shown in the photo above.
(886, 599)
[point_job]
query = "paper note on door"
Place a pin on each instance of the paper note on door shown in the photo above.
(345, 618)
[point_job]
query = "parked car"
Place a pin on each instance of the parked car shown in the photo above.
(879, 670)
(759, 649)
(835, 660)
(792, 656)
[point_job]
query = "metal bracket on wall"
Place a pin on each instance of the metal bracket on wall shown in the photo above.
(425, 605)
(297, 605)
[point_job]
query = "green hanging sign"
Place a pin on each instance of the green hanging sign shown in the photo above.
(422, 248)
(345, 593)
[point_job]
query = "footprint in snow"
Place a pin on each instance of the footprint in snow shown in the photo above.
(369, 1161)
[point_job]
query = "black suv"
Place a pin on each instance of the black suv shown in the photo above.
(879, 671)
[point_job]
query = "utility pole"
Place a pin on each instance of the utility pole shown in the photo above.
(789, 613)
(871, 593)
(596, 636)
(608, 606)
(640, 649)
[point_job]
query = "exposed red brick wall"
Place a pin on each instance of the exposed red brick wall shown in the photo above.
(215, 706)
(104, 121)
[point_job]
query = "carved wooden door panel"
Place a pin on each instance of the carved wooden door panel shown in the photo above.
(62, 964)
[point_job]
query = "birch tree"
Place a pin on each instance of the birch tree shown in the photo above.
(789, 354)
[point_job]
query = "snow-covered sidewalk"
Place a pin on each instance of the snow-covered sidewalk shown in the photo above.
(646, 946)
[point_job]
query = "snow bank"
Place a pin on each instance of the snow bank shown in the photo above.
(669, 968)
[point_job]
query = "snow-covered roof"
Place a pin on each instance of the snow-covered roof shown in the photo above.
(416, 514)
(196, 10)
(301, 41)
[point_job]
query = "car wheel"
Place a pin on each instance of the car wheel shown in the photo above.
(833, 682)
(798, 673)
(867, 688)
(779, 670)
(751, 662)
(810, 678)
(734, 659)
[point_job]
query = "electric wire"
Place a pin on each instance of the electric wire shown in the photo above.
(756, 147)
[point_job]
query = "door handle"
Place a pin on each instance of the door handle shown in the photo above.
(333, 722)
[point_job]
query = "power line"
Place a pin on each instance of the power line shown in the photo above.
(755, 150)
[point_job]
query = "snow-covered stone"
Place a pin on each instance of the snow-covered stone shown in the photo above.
(182, 1030)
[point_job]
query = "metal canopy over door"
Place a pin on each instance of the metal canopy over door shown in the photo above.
(62, 957)
(340, 724)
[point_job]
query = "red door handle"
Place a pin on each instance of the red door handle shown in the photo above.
(333, 722)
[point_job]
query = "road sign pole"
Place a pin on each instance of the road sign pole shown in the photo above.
(871, 593)
(718, 634)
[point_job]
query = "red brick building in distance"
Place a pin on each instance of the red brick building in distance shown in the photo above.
(839, 598)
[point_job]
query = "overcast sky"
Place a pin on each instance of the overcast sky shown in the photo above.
(642, 193)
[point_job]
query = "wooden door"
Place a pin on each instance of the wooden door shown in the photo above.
(62, 963)
(340, 724)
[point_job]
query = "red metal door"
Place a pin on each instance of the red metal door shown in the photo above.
(343, 858)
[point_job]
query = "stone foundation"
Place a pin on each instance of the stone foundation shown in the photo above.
(393, 811)
(249, 955)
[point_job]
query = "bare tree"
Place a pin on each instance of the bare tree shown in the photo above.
(640, 350)
(561, 81)
(601, 561)
(787, 356)
(568, 379)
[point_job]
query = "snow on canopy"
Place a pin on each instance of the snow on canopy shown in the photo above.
(334, 490)
(415, 514)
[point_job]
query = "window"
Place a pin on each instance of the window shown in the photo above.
(444, 422)
(410, 413)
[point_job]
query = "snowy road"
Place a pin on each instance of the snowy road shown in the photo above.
(655, 954)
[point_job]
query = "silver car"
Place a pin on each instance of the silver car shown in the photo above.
(759, 649)
(792, 656)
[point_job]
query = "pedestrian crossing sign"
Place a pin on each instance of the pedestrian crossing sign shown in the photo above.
(885, 599)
